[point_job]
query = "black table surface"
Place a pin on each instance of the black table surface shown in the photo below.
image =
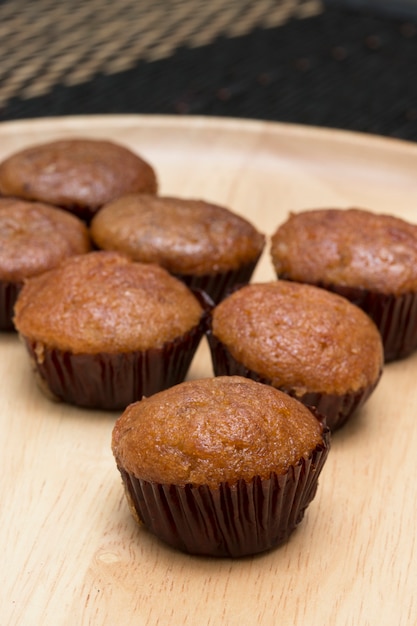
(299, 61)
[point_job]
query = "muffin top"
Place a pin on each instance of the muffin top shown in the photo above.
(35, 237)
(300, 337)
(350, 247)
(184, 236)
(77, 174)
(104, 302)
(213, 430)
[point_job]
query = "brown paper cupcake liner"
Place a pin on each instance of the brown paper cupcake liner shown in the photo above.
(113, 381)
(8, 296)
(336, 408)
(217, 286)
(395, 316)
(231, 520)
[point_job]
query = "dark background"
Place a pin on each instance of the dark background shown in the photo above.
(322, 65)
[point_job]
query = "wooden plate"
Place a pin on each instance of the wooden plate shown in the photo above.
(72, 554)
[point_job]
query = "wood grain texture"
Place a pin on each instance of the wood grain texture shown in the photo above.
(72, 554)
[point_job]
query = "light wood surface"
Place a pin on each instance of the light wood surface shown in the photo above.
(72, 554)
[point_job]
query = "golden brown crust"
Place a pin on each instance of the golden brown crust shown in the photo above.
(300, 337)
(184, 236)
(209, 431)
(74, 173)
(351, 247)
(103, 302)
(35, 237)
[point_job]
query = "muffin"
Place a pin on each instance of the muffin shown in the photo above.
(306, 341)
(102, 330)
(79, 175)
(207, 246)
(220, 466)
(34, 237)
(369, 258)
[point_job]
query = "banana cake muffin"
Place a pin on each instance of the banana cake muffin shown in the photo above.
(102, 330)
(311, 343)
(34, 237)
(367, 257)
(205, 245)
(220, 466)
(79, 174)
